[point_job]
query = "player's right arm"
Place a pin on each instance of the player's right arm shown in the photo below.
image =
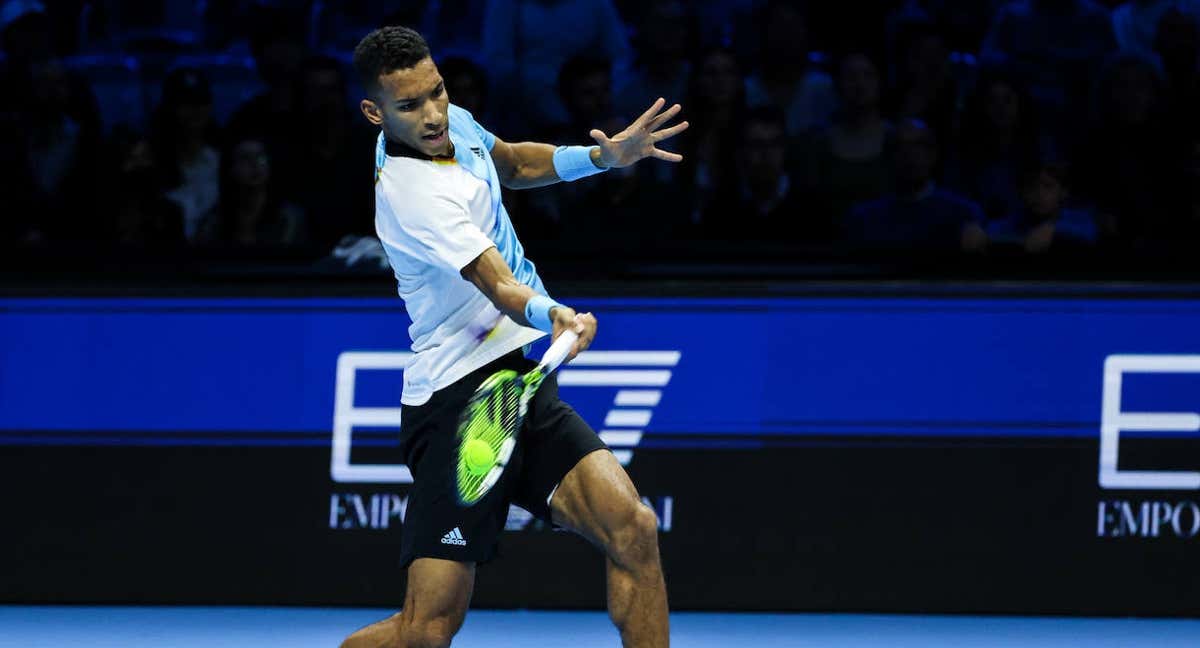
(431, 223)
(492, 276)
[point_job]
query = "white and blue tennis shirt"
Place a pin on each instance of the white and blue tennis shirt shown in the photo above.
(434, 216)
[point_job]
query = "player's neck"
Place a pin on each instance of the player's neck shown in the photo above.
(399, 149)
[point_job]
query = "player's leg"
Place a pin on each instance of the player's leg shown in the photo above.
(597, 500)
(435, 605)
(441, 542)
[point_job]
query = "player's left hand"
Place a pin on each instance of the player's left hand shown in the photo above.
(638, 140)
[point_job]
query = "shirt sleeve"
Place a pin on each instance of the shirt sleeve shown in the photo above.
(459, 113)
(489, 140)
(434, 228)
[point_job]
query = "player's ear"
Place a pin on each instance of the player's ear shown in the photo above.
(371, 111)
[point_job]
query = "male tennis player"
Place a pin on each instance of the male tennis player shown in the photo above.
(475, 302)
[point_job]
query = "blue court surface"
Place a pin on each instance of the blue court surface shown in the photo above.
(209, 627)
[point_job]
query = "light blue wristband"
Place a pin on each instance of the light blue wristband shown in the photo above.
(537, 312)
(574, 162)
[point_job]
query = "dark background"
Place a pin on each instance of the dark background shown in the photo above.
(1057, 136)
(180, 149)
(952, 525)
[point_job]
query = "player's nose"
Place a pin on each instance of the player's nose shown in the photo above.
(434, 118)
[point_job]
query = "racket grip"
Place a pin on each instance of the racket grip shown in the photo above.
(559, 350)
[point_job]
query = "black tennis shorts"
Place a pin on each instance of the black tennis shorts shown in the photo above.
(553, 438)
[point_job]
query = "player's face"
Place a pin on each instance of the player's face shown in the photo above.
(412, 107)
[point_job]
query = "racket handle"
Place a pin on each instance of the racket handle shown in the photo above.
(559, 350)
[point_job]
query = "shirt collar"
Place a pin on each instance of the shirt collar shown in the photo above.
(396, 149)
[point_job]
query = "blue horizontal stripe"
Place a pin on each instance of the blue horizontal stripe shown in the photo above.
(694, 440)
(827, 366)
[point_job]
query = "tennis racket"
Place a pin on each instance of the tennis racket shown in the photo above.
(488, 425)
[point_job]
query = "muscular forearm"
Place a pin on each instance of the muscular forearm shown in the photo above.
(492, 276)
(526, 165)
(510, 298)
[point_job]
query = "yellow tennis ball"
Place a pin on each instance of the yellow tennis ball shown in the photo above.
(479, 456)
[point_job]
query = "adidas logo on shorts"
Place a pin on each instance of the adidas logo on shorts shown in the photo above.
(454, 537)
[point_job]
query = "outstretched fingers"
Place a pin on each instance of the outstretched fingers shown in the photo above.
(665, 155)
(664, 117)
(665, 133)
(644, 120)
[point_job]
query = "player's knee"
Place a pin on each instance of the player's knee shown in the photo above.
(635, 540)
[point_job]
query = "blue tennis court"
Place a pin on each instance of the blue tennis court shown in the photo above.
(213, 627)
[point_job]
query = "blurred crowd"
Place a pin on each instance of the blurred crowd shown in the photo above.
(997, 127)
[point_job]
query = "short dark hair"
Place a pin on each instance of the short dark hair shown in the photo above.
(385, 50)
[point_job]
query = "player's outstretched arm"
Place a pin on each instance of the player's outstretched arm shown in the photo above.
(492, 276)
(524, 165)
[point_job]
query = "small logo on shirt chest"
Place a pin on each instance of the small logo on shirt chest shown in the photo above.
(478, 152)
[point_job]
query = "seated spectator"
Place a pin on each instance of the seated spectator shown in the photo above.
(1044, 223)
(848, 161)
(1053, 46)
(49, 134)
(585, 90)
(1125, 161)
(785, 78)
(715, 105)
(1177, 44)
(525, 45)
(997, 138)
(765, 204)
(252, 213)
(325, 170)
(27, 38)
(143, 216)
(52, 149)
(597, 209)
(184, 136)
(277, 46)
(1135, 22)
(662, 42)
(924, 89)
(918, 215)
(466, 85)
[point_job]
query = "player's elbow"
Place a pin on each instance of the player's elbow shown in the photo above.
(492, 276)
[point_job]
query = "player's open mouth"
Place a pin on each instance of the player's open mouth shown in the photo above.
(435, 138)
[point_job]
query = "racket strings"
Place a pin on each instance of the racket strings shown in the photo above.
(492, 416)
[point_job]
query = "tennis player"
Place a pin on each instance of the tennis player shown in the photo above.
(476, 302)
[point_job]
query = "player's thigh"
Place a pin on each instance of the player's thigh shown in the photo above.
(439, 592)
(597, 499)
